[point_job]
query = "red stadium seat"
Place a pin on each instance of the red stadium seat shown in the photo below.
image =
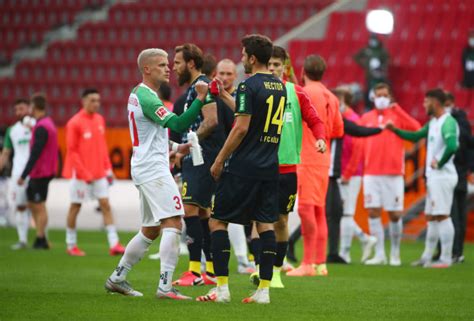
(425, 47)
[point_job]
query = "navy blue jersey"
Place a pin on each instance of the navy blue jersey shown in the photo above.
(212, 144)
(263, 97)
(225, 114)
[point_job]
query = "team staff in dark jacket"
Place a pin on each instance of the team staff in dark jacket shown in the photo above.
(462, 159)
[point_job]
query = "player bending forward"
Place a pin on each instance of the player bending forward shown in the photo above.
(160, 201)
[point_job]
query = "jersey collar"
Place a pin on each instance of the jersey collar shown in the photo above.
(197, 78)
(143, 85)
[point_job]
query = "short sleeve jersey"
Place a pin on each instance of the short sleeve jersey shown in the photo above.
(18, 138)
(226, 115)
(147, 118)
(214, 142)
(263, 97)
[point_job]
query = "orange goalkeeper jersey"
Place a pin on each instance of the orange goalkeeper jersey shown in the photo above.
(87, 157)
(313, 172)
(384, 154)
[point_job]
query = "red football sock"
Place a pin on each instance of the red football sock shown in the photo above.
(321, 235)
(308, 232)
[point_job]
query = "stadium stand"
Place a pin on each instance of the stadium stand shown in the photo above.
(24, 23)
(103, 54)
(420, 28)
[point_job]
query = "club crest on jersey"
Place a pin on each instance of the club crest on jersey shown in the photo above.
(161, 112)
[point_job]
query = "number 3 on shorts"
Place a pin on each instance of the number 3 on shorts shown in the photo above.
(178, 205)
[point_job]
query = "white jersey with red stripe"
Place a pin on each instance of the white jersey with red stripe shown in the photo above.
(147, 118)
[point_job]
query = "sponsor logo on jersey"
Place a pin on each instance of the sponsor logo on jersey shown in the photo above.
(162, 112)
(241, 103)
(87, 135)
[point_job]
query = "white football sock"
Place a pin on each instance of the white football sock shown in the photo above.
(22, 225)
(359, 233)
(242, 260)
(431, 241)
(112, 235)
(347, 232)
(395, 229)
(238, 242)
(376, 229)
(169, 253)
(134, 252)
(446, 236)
(223, 288)
(71, 237)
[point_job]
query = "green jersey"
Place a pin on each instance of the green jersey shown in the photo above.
(292, 132)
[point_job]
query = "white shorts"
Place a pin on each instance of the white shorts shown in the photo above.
(439, 196)
(18, 193)
(349, 195)
(80, 191)
(385, 191)
(159, 199)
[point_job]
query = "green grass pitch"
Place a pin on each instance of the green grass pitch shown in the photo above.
(49, 285)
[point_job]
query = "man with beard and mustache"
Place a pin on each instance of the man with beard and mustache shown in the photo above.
(17, 140)
(198, 185)
(442, 134)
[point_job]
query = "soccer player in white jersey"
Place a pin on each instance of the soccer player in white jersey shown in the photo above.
(17, 140)
(161, 206)
(442, 133)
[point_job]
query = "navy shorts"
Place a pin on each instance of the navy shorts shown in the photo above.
(198, 185)
(241, 200)
(287, 192)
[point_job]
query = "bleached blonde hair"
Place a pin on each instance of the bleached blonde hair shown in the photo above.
(147, 54)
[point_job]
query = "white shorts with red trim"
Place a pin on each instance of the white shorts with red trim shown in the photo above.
(17, 192)
(439, 196)
(80, 191)
(159, 199)
(384, 191)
